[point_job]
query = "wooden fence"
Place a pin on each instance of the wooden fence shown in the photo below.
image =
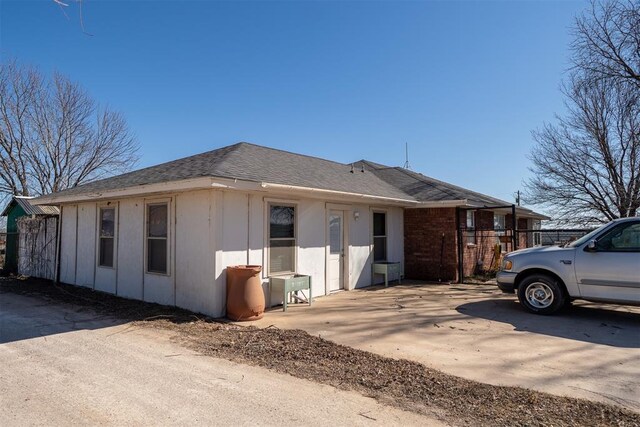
(3, 248)
(37, 247)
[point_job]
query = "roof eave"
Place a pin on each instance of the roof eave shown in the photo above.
(5, 212)
(162, 187)
(464, 203)
(339, 194)
(216, 183)
(443, 203)
(534, 215)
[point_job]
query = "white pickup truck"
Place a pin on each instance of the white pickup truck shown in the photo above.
(603, 266)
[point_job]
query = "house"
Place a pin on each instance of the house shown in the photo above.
(20, 208)
(452, 231)
(166, 233)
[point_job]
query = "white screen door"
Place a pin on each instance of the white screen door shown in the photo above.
(336, 250)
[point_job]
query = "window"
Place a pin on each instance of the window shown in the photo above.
(282, 239)
(537, 236)
(157, 237)
(470, 236)
(106, 236)
(499, 222)
(622, 238)
(379, 236)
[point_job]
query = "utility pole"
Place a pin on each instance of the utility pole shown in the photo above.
(518, 197)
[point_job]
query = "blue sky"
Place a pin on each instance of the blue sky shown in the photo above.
(463, 83)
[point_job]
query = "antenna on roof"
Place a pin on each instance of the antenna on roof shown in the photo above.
(406, 156)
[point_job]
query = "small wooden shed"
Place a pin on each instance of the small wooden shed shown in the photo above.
(20, 209)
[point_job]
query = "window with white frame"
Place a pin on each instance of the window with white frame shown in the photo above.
(499, 224)
(106, 236)
(157, 238)
(470, 235)
(282, 239)
(379, 236)
(537, 236)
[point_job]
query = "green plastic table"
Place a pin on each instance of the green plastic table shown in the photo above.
(386, 268)
(286, 285)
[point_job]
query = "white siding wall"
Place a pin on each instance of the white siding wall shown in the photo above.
(130, 242)
(360, 239)
(312, 243)
(86, 258)
(195, 279)
(210, 230)
(232, 247)
(68, 229)
(256, 229)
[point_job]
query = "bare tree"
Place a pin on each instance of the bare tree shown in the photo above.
(607, 41)
(587, 165)
(54, 136)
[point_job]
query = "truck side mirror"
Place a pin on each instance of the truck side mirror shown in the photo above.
(592, 246)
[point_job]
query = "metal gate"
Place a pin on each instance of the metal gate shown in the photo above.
(480, 242)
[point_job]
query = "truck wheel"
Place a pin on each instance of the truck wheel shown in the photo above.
(541, 294)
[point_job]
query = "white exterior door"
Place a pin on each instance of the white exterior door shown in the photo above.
(336, 250)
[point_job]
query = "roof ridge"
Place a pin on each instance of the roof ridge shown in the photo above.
(229, 149)
(450, 184)
(280, 150)
(375, 165)
(250, 162)
(412, 173)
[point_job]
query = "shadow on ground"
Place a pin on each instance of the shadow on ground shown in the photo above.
(37, 308)
(23, 317)
(593, 323)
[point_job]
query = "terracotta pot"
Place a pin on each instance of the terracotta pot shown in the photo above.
(245, 298)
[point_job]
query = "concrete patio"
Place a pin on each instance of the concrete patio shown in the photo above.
(474, 331)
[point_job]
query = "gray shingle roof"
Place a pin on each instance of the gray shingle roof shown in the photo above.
(427, 189)
(30, 209)
(249, 162)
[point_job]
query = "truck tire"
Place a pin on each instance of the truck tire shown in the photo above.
(541, 294)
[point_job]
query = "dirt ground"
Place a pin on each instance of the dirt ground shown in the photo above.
(404, 384)
(66, 365)
(591, 351)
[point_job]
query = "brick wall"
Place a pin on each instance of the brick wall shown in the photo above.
(427, 255)
(523, 240)
(478, 256)
(430, 257)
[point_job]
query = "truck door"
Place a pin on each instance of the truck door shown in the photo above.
(611, 270)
